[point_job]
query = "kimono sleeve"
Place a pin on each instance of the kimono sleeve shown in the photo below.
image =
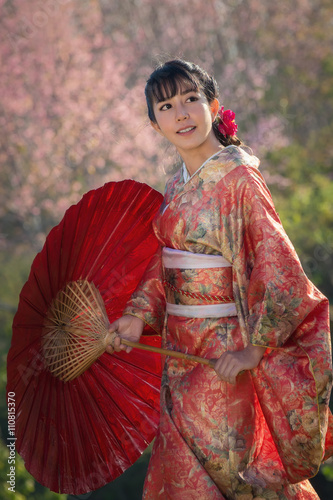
(280, 297)
(284, 312)
(148, 300)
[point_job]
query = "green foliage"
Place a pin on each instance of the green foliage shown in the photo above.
(305, 206)
(327, 471)
(14, 270)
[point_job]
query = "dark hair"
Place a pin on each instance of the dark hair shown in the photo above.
(167, 80)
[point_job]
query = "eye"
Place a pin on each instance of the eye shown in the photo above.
(192, 98)
(164, 107)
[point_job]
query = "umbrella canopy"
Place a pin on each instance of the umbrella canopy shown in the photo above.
(76, 436)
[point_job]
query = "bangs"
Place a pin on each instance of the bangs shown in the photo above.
(167, 85)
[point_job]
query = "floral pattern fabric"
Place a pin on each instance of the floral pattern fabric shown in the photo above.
(263, 436)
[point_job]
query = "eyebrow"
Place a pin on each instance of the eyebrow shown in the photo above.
(188, 91)
(184, 92)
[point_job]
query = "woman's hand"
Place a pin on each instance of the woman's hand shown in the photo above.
(127, 327)
(231, 363)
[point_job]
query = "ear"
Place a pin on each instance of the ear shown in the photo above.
(156, 127)
(214, 106)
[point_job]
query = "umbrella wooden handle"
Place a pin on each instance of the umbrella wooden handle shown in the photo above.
(167, 352)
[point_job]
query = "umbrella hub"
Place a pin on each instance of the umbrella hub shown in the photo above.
(76, 330)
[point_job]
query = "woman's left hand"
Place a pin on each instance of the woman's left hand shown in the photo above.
(231, 363)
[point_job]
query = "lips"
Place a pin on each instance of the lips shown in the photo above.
(186, 130)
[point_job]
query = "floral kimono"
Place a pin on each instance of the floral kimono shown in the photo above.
(261, 437)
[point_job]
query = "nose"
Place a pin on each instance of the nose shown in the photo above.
(182, 114)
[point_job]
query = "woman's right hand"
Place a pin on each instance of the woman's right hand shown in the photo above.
(127, 327)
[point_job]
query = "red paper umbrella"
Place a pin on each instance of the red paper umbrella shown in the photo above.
(76, 436)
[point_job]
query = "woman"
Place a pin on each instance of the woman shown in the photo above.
(233, 289)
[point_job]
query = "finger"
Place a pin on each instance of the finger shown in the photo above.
(223, 378)
(220, 373)
(232, 374)
(117, 341)
(227, 371)
(219, 369)
(117, 345)
(224, 361)
(109, 349)
(125, 347)
(224, 368)
(114, 326)
(220, 364)
(229, 379)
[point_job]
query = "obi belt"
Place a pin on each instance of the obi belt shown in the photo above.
(197, 285)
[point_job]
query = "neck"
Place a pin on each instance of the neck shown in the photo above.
(194, 159)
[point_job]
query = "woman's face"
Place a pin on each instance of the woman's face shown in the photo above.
(186, 121)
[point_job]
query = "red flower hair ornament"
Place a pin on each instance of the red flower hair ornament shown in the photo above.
(226, 121)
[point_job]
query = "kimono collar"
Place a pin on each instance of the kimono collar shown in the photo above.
(185, 173)
(238, 154)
